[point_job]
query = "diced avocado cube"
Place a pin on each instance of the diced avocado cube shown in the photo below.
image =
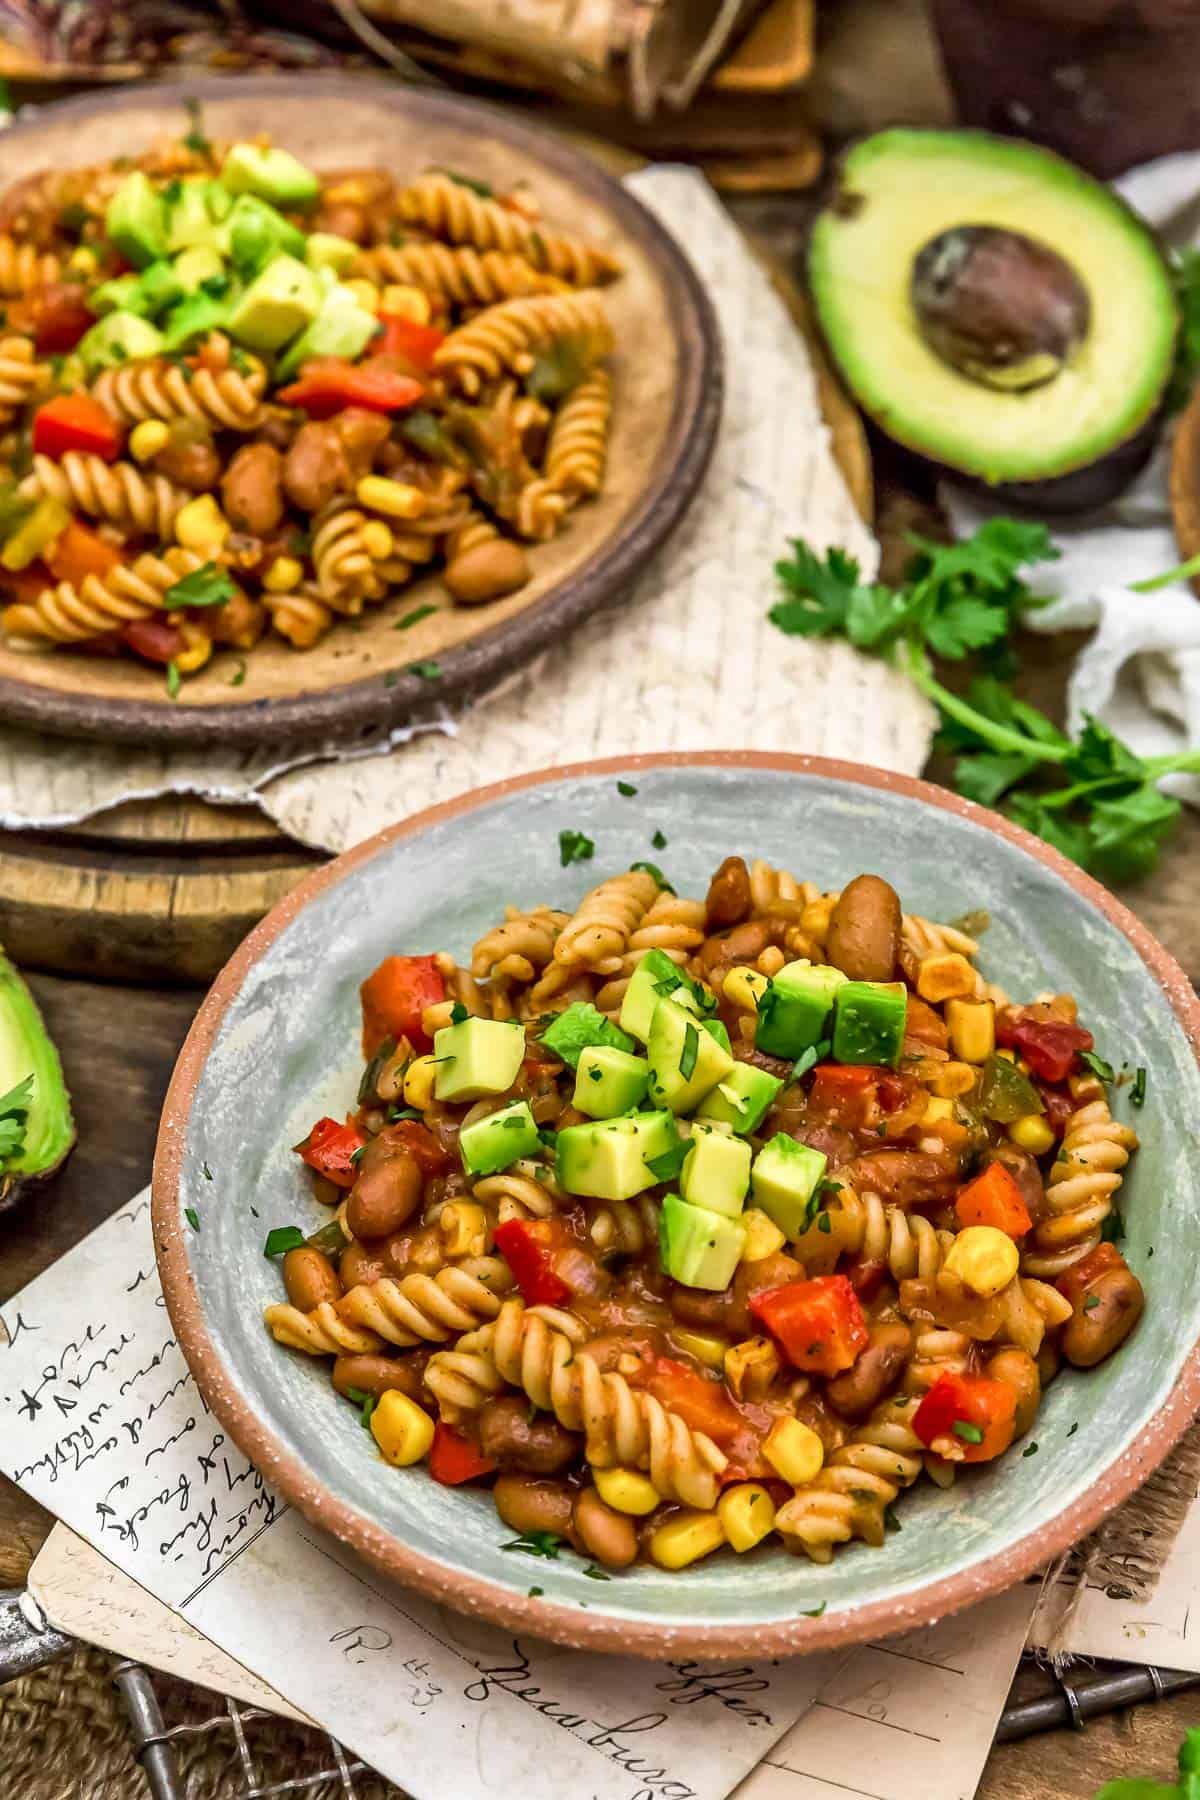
(783, 1181)
(794, 1009)
(697, 1247)
(194, 317)
(501, 1139)
(477, 1057)
(579, 1025)
(716, 1028)
(609, 1159)
(188, 218)
(325, 250)
(118, 338)
(608, 1081)
(716, 1174)
(135, 221)
(158, 287)
(685, 1060)
(656, 977)
(255, 233)
(121, 294)
(868, 1022)
(274, 175)
(192, 267)
(341, 328)
(741, 1099)
(279, 302)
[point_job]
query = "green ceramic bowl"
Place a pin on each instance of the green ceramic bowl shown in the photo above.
(276, 1042)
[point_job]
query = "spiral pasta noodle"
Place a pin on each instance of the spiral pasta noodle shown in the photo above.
(68, 614)
(605, 920)
(466, 276)
(119, 491)
(1080, 1189)
(518, 1193)
(449, 209)
(21, 375)
(850, 1496)
(428, 1308)
(579, 437)
(517, 949)
(23, 268)
(505, 337)
(153, 389)
(302, 617)
(347, 574)
(672, 924)
(321, 1332)
(622, 1227)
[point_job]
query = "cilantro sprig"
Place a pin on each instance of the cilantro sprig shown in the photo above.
(1092, 797)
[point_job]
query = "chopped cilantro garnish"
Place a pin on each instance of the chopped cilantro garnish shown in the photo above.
(627, 789)
(547, 1136)
(815, 1612)
(1074, 1429)
(483, 188)
(596, 1574)
(366, 1404)
(653, 869)
(206, 1172)
(970, 1434)
(428, 671)
(659, 841)
(209, 585)
(689, 1052)
(807, 1059)
(575, 846)
(458, 1013)
(1137, 1093)
(192, 1217)
(1091, 1303)
(891, 1519)
(1113, 1229)
(667, 1166)
(534, 1593)
(239, 673)
(283, 1239)
(414, 617)
(536, 1543)
(1097, 1064)
(174, 679)
(1029, 1450)
(194, 138)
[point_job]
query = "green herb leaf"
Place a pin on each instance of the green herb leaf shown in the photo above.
(1029, 1450)
(659, 841)
(536, 1543)
(575, 846)
(534, 1593)
(627, 789)
(192, 1217)
(1137, 1093)
(891, 1519)
(366, 1404)
(970, 1434)
(1074, 1428)
(206, 1172)
(653, 869)
(1113, 1229)
(807, 1059)
(815, 1612)
(458, 1013)
(1103, 1070)
(428, 671)
(666, 1166)
(414, 617)
(239, 673)
(596, 1574)
(283, 1239)
(1091, 1303)
(483, 188)
(209, 585)
(174, 679)
(689, 1052)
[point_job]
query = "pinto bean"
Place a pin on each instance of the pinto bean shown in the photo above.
(527, 1503)
(1025, 1172)
(537, 1446)
(315, 467)
(310, 1278)
(1020, 1371)
(728, 898)
(252, 488)
(864, 930)
(877, 1369)
(602, 1532)
(1105, 1316)
(415, 1252)
(361, 1266)
(369, 1374)
(387, 1191)
(486, 572)
(189, 457)
(745, 943)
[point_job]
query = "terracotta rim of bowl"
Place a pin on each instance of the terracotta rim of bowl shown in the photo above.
(567, 1624)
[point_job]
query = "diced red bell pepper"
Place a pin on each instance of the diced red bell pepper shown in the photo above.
(78, 552)
(454, 1459)
(700, 1403)
(61, 316)
(1075, 1282)
(329, 384)
(844, 1092)
(155, 639)
(430, 1156)
(404, 337)
(395, 996)
(994, 1198)
(329, 1148)
(969, 1416)
(818, 1324)
(1050, 1046)
(529, 1246)
(75, 422)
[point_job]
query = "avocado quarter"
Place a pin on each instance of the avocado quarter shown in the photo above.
(1087, 319)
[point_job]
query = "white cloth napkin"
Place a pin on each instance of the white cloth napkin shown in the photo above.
(690, 662)
(1140, 672)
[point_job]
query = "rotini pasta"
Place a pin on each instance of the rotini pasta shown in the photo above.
(21, 376)
(23, 268)
(153, 389)
(506, 337)
(465, 276)
(67, 614)
(640, 1228)
(449, 209)
(146, 505)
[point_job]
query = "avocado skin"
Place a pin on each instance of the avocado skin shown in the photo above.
(1079, 487)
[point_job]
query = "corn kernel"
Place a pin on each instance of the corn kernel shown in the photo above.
(952, 1079)
(626, 1491)
(708, 1350)
(771, 960)
(743, 987)
(795, 1450)
(396, 499)
(814, 920)
(147, 439)
(197, 648)
(464, 1228)
(984, 1259)
(418, 1083)
(365, 292)
(972, 1026)
(402, 1429)
(201, 525)
(763, 1236)
(747, 1513)
(436, 1017)
(686, 1538)
(402, 302)
(283, 576)
(83, 260)
(750, 1367)
(377, 540)
(948, 976)
(937, 1107)
(1033, 1134)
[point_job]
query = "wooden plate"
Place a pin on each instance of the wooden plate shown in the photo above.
(356, 682)
(1185, 482)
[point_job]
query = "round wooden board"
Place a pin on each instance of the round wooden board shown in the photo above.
(165, 890)
(667, 400)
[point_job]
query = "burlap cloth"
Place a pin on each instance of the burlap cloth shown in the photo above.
(64, 1735)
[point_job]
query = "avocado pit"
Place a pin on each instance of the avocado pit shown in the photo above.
(998, 306)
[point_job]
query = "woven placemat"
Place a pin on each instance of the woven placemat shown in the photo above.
(64, 1735)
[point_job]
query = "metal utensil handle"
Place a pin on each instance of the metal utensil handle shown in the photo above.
(27, 1639)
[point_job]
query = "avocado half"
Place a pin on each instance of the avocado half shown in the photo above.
(26, 1048)
(996, 310)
